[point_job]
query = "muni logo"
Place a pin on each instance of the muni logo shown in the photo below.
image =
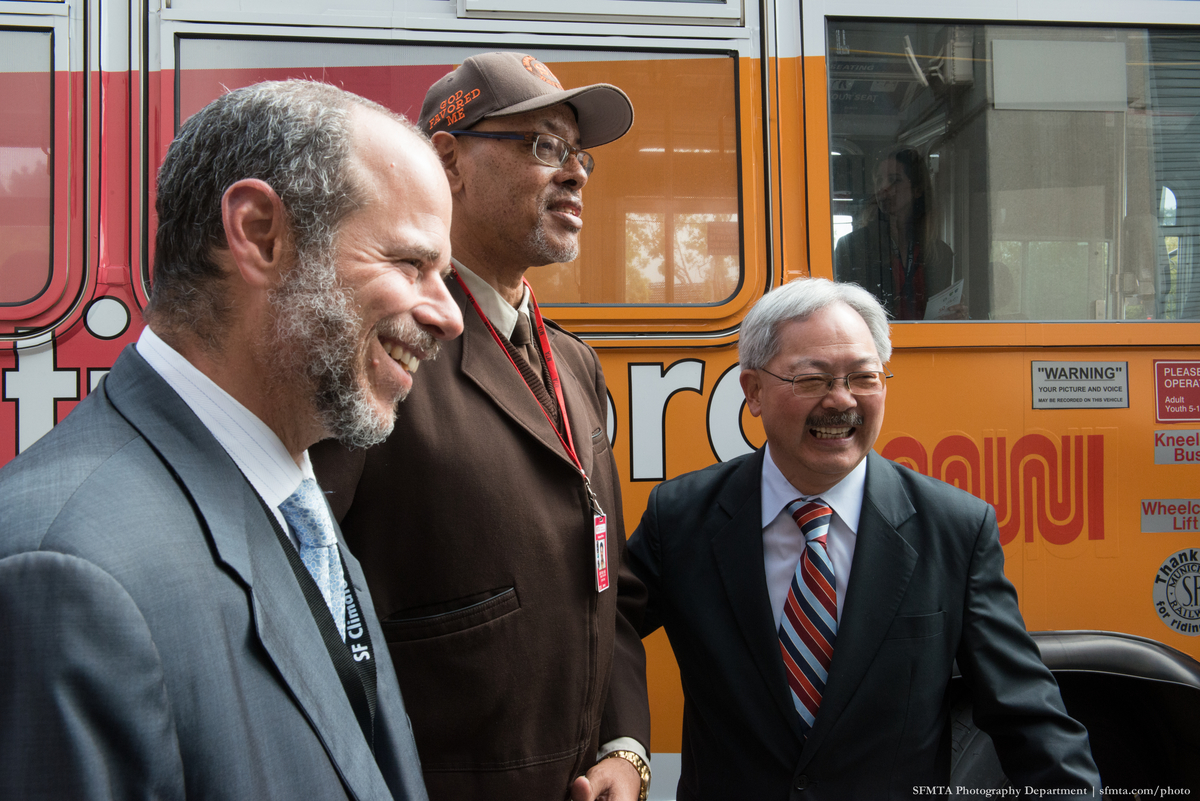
(1053, 486)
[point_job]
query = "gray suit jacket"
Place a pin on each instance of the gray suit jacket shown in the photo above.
(926, 587)
(155, 642)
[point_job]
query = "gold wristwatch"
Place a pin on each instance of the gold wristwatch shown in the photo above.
(639, 765)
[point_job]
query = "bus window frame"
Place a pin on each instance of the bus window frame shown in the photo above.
(444, 17)
(714, 12)
(584, 318)
(817, 16)
(64, 290)
(56, 8)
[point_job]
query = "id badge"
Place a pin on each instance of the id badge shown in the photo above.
(600, 527)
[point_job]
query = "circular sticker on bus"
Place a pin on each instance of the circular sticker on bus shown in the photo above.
(1177, 591)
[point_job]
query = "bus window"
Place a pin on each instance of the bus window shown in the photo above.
(662, 209)
(25, 125)
(1000, 172)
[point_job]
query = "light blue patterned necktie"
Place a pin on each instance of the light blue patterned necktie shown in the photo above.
(307, 514)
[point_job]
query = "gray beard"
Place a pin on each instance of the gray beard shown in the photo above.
(317, 338)
(546, 251)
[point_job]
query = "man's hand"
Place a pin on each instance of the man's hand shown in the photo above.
(608, 780)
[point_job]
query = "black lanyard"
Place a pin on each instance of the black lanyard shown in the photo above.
(353, 658)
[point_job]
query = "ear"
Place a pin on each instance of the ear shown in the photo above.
(447, 146)
(256, 231)
(752, 387)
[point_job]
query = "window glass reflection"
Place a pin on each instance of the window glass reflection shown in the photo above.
(661, 208)
(1032, 173)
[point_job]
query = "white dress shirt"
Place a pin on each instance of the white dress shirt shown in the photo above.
(499, 311)
(253, 446)
(783, 543)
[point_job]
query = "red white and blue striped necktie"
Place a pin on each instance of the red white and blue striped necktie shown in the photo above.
(809, 623)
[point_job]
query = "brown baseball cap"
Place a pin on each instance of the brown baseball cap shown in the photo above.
(498, 84)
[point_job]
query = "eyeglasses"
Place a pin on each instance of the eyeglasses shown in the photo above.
(551, 150)
(818, 385)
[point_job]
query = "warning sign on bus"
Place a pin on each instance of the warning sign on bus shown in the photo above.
(1080, 385)
(1177, 391)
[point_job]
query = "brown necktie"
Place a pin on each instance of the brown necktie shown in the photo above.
(522, 337)
(529, 361)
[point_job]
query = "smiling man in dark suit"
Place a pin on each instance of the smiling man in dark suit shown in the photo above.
(179, 618)
(817, 595)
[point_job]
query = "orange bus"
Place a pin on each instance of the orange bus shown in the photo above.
(1051, 365)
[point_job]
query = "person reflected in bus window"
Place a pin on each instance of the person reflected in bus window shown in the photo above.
(503, 597)
(1006, 297)
(818, 597)
(895, 253)
(179, 616)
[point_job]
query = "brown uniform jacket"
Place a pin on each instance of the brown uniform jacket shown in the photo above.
(474, 532)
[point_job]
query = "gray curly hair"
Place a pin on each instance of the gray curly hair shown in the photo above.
(293, 135)
(799, 300)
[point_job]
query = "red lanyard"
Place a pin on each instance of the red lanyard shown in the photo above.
(599, 519)
(569, 443)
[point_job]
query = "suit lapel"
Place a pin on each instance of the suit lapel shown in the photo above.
(289, 634)
(576, 401)
(244, 540)
(486, 364)
(181, 440)
(879, 575)
(738, 551)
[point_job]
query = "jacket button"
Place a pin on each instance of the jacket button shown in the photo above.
(801, 782)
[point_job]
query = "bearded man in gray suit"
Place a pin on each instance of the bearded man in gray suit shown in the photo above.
(179, 616)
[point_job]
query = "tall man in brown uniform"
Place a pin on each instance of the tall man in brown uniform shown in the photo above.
(478, 521)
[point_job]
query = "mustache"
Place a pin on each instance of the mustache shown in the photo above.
(846, 418)
(406, 330)
(566, 196)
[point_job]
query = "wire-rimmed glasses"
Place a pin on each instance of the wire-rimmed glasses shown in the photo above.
(551, 150)
(818, 385)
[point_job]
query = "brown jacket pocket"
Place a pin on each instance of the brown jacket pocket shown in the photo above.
(420, 624)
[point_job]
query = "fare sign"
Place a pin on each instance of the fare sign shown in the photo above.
(1177, 391)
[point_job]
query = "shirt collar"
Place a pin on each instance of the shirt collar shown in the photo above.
(500, 313)
(845, 498)
(253, 446)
